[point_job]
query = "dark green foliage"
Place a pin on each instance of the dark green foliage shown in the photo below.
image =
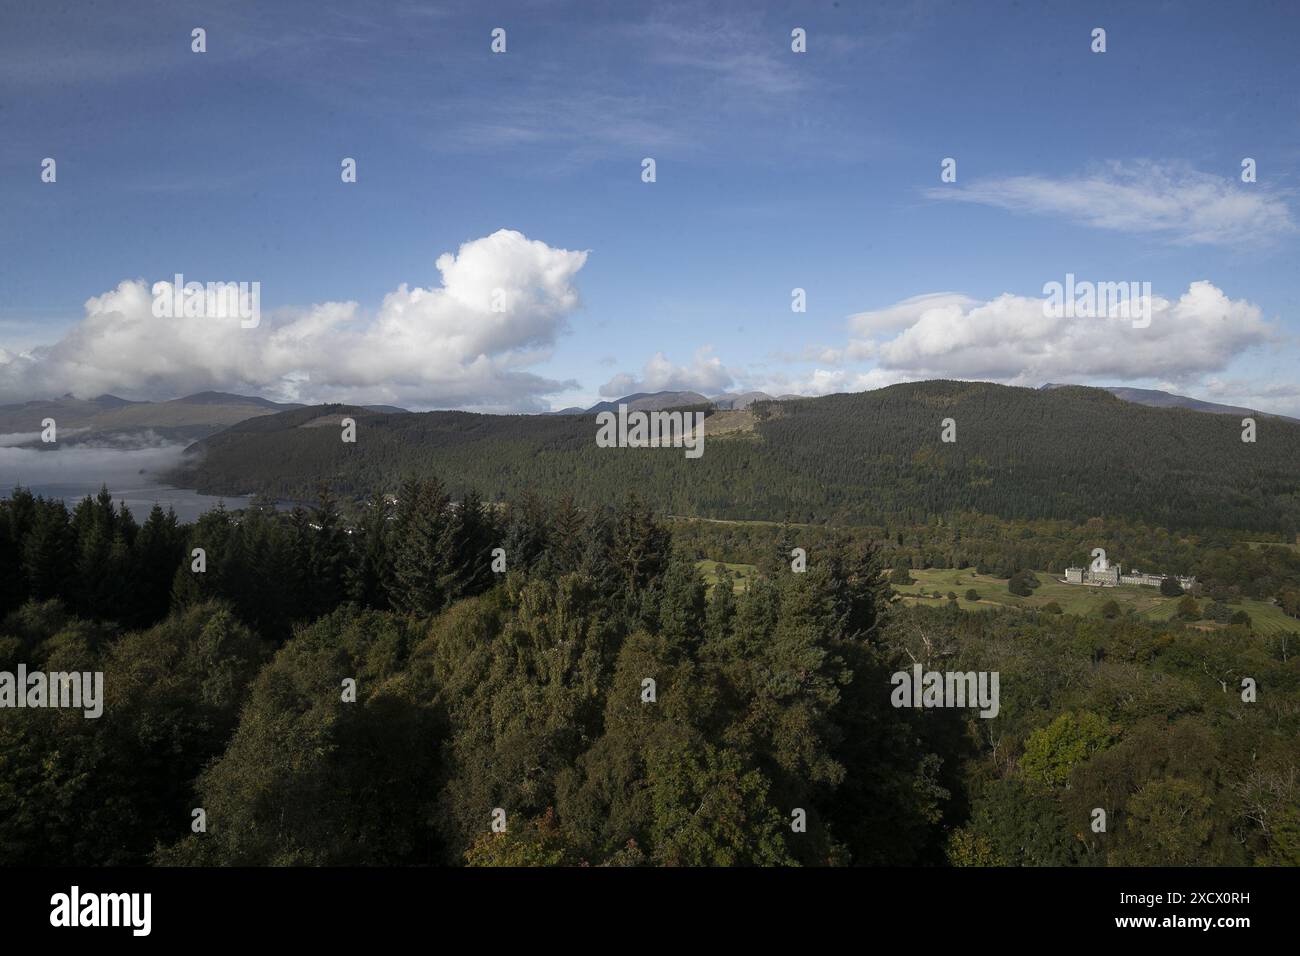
(1020, 584)
(309, 779)
(105, 790)
(901, 573)
(871, 457)
(618, 710)
(419, 537)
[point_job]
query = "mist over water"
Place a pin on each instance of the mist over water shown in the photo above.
(133, 475)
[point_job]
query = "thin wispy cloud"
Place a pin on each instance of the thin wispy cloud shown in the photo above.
(1171, 200)
(748, 60)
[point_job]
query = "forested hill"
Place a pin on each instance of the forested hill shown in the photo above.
(1071, 453)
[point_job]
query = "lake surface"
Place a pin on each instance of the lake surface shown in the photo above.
(134, 476)
(187, 504)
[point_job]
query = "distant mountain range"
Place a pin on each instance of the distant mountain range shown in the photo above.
(872, 457)
(658, 401)
(112, 419)
(109, 418)
(1158, 399)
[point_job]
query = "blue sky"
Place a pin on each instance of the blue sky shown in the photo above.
(775, 170)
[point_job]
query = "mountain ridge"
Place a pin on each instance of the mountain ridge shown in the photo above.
(1155, 398)
(658, 401)
(860, 458)
(111, 418)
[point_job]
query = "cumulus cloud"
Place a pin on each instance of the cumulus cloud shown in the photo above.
(1260, 392)
(446, 346)
(824, 381)
(1187, 206)
(1015, 339)
(706, 374)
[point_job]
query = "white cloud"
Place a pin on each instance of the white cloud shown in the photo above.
(434, 347)
(706, 374)
(827, 382)
(1014, 339)
(1188, 206)
(1260, 393)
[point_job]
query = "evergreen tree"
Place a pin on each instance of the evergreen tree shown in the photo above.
(328, 560)
(464, 549)
(417, 553)
(46, 550)
(370, 579)
(155, 559)
(640, 544)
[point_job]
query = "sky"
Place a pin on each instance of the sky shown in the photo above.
(500, 250)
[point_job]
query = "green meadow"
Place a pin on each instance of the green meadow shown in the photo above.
(1147, 603)
(1077, 599)
(740, 573)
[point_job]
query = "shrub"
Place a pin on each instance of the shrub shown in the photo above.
(1217, 612)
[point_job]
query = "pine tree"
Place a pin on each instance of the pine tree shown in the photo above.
(464, 549)
(155, 556)
(641, 546)
(569, 542)
(46, 549)
(370, 578)
(682, 604)
(329, 555)
(527, 532)
(720, 616)
(417, 556)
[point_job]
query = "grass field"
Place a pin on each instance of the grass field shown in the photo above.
(1149, 603)
(740, 572)
(1072, 598)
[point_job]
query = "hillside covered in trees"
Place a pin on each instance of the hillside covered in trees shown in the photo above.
(869, 458)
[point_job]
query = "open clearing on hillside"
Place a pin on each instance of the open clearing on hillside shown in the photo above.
(1073, 598)
(1148, 603)
(1256, 545)
(742, 573)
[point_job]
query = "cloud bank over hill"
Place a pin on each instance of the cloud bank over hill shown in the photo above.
(1013, 339)
(476, 339)
(502, 302)
(1190, 343)
(705, 374)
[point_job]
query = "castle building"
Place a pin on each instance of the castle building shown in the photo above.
(1102, 574)
(1138, 577)
(1107, 575)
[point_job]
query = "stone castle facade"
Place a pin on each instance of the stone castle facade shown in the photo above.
(1107, 575)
